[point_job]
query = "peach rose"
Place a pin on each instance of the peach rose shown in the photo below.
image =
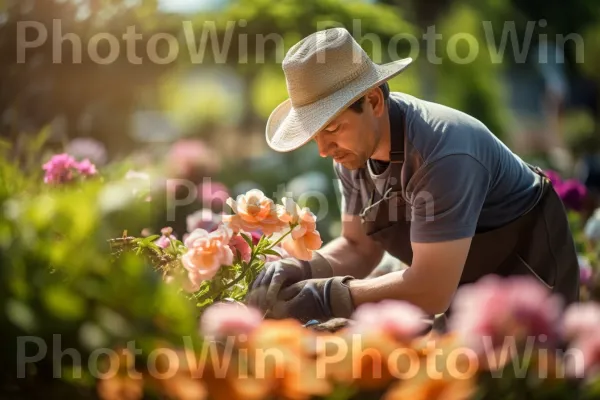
(288, 211)
(304, 238)
(253, 211)
(207, 253)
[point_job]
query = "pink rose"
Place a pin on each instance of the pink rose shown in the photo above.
(587, 350)
(581, 319)
(497, 309)
(207, 252)
(223, 319)
(401, 319)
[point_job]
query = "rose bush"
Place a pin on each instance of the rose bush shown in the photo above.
(507, 338)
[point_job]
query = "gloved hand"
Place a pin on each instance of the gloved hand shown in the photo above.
(319, 299)
(282, 273)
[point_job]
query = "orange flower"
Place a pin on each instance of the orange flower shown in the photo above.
(304, 238)
(207, 253)
(285, 354)
(180, 383)
(253, 211)
(442, 374)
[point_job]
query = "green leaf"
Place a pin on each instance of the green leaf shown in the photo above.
(150, 239)
(271, 252)
(248, 240)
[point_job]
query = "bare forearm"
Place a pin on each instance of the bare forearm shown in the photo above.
(348, 258)
(400, 285)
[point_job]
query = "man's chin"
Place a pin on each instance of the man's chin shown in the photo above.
(353, 164)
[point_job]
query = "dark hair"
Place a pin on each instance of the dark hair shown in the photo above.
(357, 105)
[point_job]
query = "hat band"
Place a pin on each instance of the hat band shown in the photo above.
(351, 77)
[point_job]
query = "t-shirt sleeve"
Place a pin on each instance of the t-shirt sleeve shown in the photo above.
(349, 188)
(447, 197)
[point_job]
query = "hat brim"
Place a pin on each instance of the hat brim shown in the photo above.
(289, 128)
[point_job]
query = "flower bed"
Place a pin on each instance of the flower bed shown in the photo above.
(162, 315)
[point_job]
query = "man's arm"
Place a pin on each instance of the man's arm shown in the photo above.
(430, 283)
(448, 199)
(353, 253)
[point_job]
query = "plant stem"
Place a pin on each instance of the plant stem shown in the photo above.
(279, 240)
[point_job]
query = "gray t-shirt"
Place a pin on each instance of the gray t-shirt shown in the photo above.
(457, 178)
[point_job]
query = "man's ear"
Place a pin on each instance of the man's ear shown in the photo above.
(376, 101)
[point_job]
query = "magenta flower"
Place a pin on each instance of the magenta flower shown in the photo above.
(496, 309)
(86, 168)
(59, 169)
(238, 243)
(255, 237)
(223, 319)
(401, 319)
(554, 177)
(572, 193)
(62, 168)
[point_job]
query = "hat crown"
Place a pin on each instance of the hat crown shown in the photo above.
(321, 64)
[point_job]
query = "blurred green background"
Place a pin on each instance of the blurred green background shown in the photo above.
(201, 118)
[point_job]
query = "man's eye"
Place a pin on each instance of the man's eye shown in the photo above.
(333, 129)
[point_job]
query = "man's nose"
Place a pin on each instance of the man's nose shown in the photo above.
(325, 146)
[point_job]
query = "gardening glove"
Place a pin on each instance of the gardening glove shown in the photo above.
(282, 273)
(318, 299)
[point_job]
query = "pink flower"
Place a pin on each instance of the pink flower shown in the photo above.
(191, 159)
(203, 219)
(255, 237)
(164, 241)
(86, 168)
(401, 319)
(496, 309)
(213, 194)
(238, 243)
(223, 319)
(63, 168)
(581, 319)
(207, 252)
(59, 169)
(585, 359)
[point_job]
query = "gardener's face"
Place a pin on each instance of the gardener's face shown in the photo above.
(352, 137)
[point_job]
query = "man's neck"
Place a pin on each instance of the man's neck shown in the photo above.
(382, 151)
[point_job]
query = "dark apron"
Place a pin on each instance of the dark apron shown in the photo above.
(539, 243)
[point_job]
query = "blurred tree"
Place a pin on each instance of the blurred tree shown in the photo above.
(57, 80)
(257, 34)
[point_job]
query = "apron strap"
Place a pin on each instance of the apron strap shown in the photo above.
(397, 135)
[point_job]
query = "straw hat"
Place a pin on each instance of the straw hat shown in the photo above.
(325, 73)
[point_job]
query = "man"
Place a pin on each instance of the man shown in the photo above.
(429, 184)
